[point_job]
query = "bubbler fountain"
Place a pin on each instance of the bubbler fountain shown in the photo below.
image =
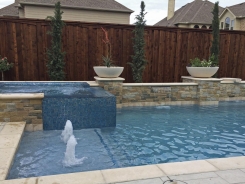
(71, 142)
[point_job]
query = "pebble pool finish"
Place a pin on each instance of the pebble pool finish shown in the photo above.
(86, 107)
(143, 135)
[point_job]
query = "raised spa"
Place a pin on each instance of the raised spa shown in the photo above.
(86, 107)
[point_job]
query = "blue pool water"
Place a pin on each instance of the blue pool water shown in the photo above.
(143, 135)
(85, 106)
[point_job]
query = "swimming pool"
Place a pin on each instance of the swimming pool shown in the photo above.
(143, 135)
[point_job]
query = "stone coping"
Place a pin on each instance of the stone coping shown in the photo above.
(21, 95)
(92, 83)
(160, 84)
(10, 136)
(233, 80)
(180, 169)
(201, 79)
(119, 79)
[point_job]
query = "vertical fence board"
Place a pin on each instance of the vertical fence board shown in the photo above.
(167, 50)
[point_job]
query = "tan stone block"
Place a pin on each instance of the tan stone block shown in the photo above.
(3, 106)
(16, 118)
(25, 101)
(31, 117)
(37, 121)
(22, 113)
(19, 106)
(35, 101)
(37, 127)
(28, 108)
(6, 101)
(29, 128)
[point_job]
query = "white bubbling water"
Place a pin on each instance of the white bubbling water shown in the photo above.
(70, 157)
(67, 132)
(163, 107)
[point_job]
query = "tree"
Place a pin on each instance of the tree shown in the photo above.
(56, 62)
(215, 32)
(138, 59)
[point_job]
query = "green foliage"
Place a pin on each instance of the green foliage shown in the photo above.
(215, 32)
(139, 62)
(213, 60)
(107, 60)
(55, 55)
(196, 62)
(5, 65)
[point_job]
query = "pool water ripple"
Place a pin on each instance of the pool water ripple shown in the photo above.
(144, 135)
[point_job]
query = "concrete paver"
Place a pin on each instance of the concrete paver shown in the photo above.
(9, 141)
(232, 176)
(132, 173)
(228, 163)
(13, 128)
(207, 181)
(147, 181)
(93, 177)
(195, 176)
(20, 181)
(178, 168)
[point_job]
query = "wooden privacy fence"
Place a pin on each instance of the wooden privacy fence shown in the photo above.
(168, 50)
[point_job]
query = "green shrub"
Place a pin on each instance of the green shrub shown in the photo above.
(5, 65)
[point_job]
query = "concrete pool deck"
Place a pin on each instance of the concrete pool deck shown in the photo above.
(211, 171)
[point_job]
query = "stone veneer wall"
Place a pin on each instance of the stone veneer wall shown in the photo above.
(132, 94)
(113, 86)
(192, 90)
(232, 90)
(206, 90)
(28, 110)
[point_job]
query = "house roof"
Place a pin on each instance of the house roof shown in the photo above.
(110, 5)
(238, 10)
(198, 11)
(10, 10)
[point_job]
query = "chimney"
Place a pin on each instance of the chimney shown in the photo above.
(171, 5)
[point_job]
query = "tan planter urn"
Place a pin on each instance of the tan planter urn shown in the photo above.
(108, 72)
(202, 72)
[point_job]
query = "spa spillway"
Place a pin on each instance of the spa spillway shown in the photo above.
(85, 106)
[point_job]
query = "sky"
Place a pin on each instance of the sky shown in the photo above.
(156, 9)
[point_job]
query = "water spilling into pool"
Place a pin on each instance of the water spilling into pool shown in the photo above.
(143, 135)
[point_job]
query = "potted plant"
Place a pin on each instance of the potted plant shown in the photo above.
(202, 68)
(108, 70)
(5, 65)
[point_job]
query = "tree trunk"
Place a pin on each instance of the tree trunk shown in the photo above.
(2, 77)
